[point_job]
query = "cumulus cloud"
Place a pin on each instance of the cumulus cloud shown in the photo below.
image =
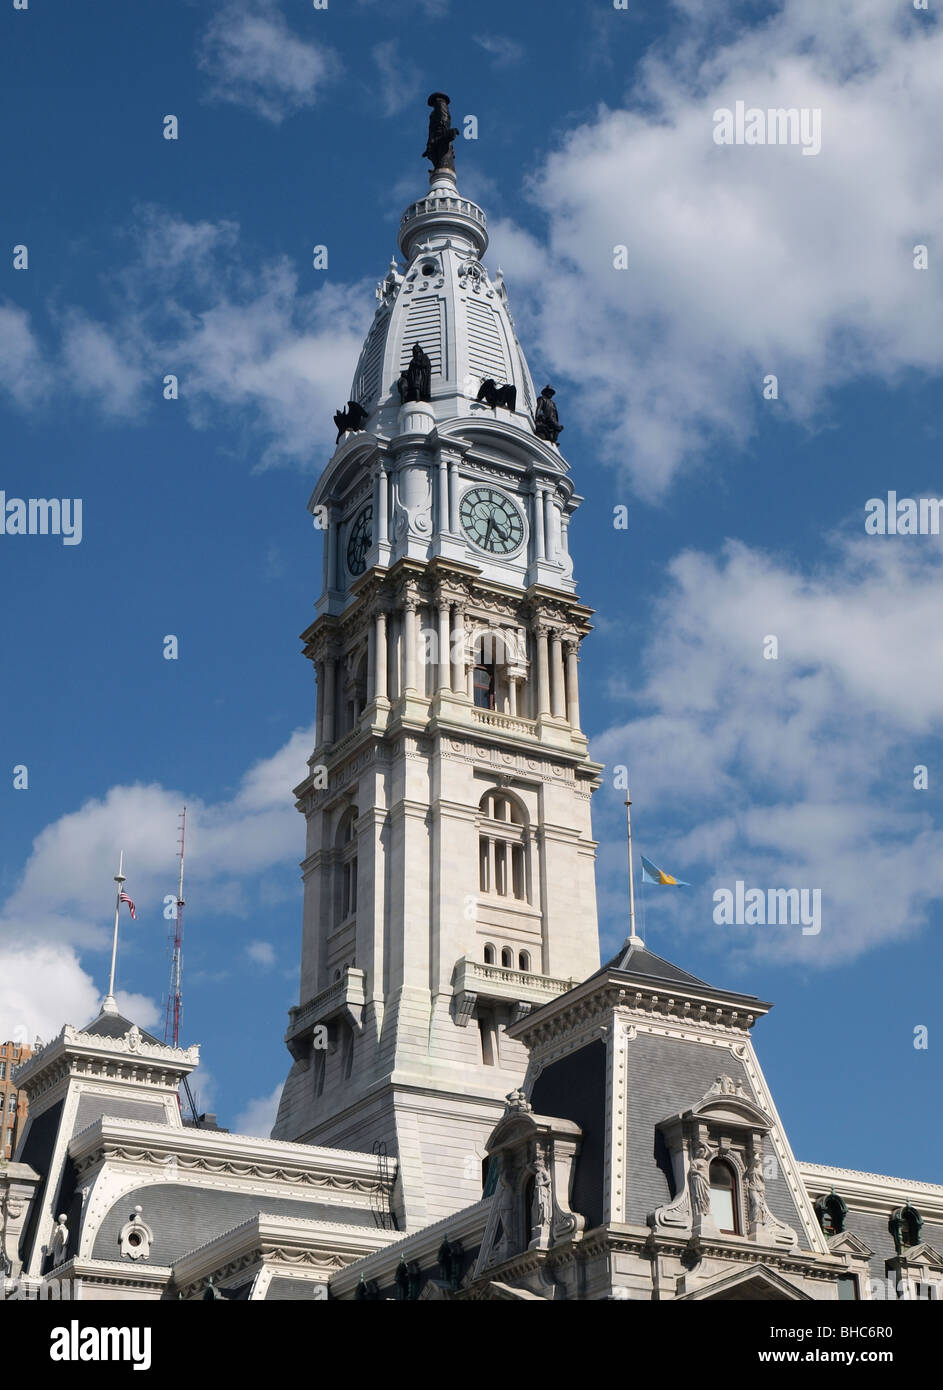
(24, 375)
(792, 764)
(252, 58)
(261, 952)
(400, 80)
(259, 1115)
(503, 52)
(246, 344)
(742, 260)
(60, 904)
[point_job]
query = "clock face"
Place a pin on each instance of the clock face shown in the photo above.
(491, 521)
(361, 539)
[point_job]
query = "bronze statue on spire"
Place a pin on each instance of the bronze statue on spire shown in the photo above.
(441, 134)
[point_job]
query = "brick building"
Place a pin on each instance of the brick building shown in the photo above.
(13, 1106)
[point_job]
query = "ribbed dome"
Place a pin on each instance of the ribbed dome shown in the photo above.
(446, 301)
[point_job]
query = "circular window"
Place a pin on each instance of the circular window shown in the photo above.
(429, 268)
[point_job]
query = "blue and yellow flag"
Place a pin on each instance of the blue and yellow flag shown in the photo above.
(652, 874)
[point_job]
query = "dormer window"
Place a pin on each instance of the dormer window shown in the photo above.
(723, 1185)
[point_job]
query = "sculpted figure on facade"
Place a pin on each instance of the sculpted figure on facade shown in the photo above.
(700, 1180)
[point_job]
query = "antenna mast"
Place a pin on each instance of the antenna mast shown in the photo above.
(175, 993)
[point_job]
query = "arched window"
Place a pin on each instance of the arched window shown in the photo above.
(347, 845)
(502, 847)
(523, 960)
(484, 687)
(724, 1198)
(489, 954)
(507, 957)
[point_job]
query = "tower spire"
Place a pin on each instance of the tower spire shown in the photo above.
(108, 1004)
(633, 939)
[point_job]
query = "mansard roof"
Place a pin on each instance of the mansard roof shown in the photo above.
(634, 959)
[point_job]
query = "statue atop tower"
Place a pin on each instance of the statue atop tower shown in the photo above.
(441, 134)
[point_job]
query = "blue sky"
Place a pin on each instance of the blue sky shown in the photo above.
(746, 516)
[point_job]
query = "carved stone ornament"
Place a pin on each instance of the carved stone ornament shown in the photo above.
(728, 1124)
(531, 1205)
(135, 1237)
(59, 1245)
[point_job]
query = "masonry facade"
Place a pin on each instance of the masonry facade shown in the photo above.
(475, 1109)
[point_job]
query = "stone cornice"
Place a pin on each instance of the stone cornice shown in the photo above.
(873, 1192)
(307, 1166)
(642, 997)
(324, 1246)
(113, 1273)
(467, 1226)
(128, 1058)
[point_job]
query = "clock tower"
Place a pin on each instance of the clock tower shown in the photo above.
(449, 868)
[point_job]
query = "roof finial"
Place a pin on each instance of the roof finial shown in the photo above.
(108, 1004)
(439, 147)
(633, 939)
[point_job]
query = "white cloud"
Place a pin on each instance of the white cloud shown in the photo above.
(59, 992)
(62, 902)
(247, 345)
(253, 59)
(742, 261)
(801, 769)
(504, 52)
(261, 952)
(400, 82)
(23, 372)
(259, 1115)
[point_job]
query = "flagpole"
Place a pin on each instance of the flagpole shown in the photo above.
(634, 940)
(109, 1006)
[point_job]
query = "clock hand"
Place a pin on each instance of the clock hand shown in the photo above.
(488, 530)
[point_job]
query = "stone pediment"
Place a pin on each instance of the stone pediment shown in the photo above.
(725, 1102)
(756, 1284)
(922, 1254)
(846, 1243)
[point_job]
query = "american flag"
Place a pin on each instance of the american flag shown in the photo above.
(123, 898)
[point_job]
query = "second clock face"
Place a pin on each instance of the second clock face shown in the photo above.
(361, 539)
(491, 520)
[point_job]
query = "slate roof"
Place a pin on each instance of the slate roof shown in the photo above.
(641, 963)
(638, 960)
(115, 1026)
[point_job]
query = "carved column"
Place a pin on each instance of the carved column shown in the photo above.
(410, 642)
(572, 684)
(443, 509)
(543, 672)
(371, 691)
(539, 540)
(379, 643)
(458, 649)
(383, 498)
(331, 548)
(443, 678)
(556, 676)
(512, 695)
(453, 496)
(550, 548)
(319, 679)
(330, 688)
